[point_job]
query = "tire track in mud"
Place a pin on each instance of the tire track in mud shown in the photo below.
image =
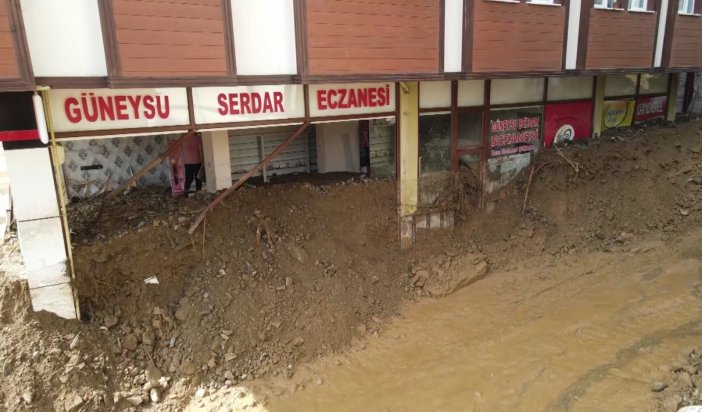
(624, 356)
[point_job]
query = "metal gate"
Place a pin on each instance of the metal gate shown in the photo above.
(382, 147)
(248, 147)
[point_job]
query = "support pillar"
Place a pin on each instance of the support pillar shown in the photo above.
(408, 160)
(598, 107)
(218, 170)
(40, 231)
(672, 97)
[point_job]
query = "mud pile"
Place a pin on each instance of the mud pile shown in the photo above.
(281, 274)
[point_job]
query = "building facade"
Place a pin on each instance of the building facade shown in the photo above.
(418, 90)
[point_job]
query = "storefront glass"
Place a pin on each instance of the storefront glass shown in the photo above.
(653, 83)
(511, 91)
(569, 88)
(435, 143)
(620, 85)
(470, 128)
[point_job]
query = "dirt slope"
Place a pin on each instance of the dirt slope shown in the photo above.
(284, 274)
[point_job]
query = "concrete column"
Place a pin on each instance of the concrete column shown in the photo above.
(672, 97)
(218, 169)
(408, 160)
(40, 230)
(601, 81)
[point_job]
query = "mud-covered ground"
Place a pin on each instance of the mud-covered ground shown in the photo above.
(290, 275)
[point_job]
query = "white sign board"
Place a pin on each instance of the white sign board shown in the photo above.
(247, 103)
(349, 99)
(107, 109)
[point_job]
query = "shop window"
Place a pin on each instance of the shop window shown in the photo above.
(621, 85)
(470, 128)
(569, 88)
(510, 91)
(653, 83)
(515, 131)
(471, 93)
(690, 7)
(435, 143)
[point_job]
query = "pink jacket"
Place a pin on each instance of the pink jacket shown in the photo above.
(192, 150)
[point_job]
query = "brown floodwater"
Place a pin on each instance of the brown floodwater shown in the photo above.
(588, 332)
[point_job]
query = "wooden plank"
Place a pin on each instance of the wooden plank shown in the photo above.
(246, 177)
(168, 9)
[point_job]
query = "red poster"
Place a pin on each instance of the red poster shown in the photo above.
(567, 122)
(649, 108)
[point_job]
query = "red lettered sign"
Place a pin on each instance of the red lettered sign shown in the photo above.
(649, 108)
(567, 122)
(347, 99)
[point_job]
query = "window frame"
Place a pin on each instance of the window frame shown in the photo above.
(645, 6)
(615, 5)
(691, 6)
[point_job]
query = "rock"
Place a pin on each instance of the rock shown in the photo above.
(130, 342)
(685, 379)
(228, 375)
(73, 402)
(200, 393)
(229, 357)
(276, 323)
(155, 395)
(361, 328)
(153, 374)
(684, 212)
(117, 397)
(111, 321)
(187, 367)
(319, 381)
(288, 281)
(374, 279)
(298, 253)
(298, 341)
(28, 396)
(420, 277)
(671, 403)
(211, 363)
(135, 400)
(147, 338)
(163, 382)
(185, 310)
(658, 386)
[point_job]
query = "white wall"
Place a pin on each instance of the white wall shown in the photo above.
(573, 34)
(64, 37)
(337, 147)
(660, 36)
(264, 37)
(453, 35)
(435, 94)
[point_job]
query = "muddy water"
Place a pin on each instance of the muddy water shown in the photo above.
(585, 332)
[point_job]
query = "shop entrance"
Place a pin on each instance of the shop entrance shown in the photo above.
(366, 147)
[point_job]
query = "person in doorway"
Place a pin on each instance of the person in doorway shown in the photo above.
(192, 158)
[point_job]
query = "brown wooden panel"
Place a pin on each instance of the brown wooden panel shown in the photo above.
(516, 37)
(619, 39)
(687, 42)
(170, 38)
(9, 68)
(367, 37)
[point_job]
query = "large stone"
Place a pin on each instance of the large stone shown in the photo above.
(298, 253)
(130, 342)
(73, 402)
(187, 367)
